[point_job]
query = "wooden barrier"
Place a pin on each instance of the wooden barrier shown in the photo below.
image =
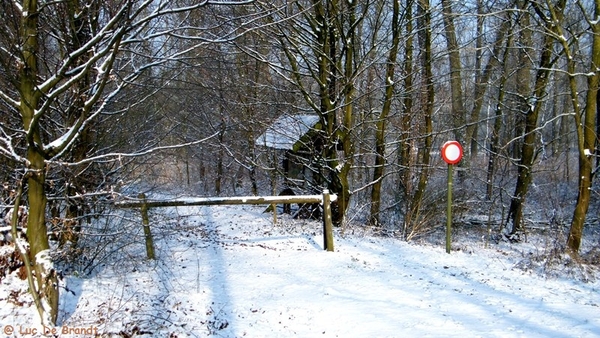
(144, 204)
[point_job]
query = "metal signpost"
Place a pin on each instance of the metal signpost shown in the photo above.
(452, 153)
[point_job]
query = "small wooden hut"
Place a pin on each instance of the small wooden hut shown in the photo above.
(294, 140)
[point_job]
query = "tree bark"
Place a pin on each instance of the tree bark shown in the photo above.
(534, 105)
(495, 139)
(404, 142)
(586, 134)
(382, 120)
(346, 131)
(481, 86)
(46, 278)
(458, 106)
(427, 109)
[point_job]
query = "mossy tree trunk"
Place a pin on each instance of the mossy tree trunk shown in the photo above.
(47, 283)
(585, 118)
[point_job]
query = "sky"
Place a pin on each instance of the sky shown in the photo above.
(228, 271)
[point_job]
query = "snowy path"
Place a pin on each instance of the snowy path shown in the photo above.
(232, 274)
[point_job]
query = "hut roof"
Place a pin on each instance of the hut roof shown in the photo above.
(286, 131)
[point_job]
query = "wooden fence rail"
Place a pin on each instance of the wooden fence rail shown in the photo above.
(144, 204)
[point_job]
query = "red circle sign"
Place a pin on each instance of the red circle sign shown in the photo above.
(452, 152)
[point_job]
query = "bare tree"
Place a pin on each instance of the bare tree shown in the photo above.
(426, 100)
(494, 142)
(531, 103)
(456, 87)
(74, 58)
(318, 40)
(380, 133)
(585, 118)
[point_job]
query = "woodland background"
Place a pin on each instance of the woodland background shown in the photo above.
(104, 100)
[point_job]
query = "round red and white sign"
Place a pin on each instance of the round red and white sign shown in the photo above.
(452, 152)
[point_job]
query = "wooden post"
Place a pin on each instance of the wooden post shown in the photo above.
(327, 223)
(449, 211)
(145, 204)
(146, 226)
(451, 154)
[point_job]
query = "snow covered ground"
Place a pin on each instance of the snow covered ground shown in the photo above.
(227, 271)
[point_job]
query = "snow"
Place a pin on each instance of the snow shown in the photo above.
(286, 131)
(60, 141)
(227, 271)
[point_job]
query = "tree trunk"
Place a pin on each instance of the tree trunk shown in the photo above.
(523, 66)
(346, 134)
(428, 104)
(495, 139)
(481, 86)
(528, 149)
(458, 106)
(586, 135)
(336, 39)
(427, 101)
(45, 275)
(583, 202)
(381, 121)
(327, 81)
(404, 141)
(220, 157)
(37, 237)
